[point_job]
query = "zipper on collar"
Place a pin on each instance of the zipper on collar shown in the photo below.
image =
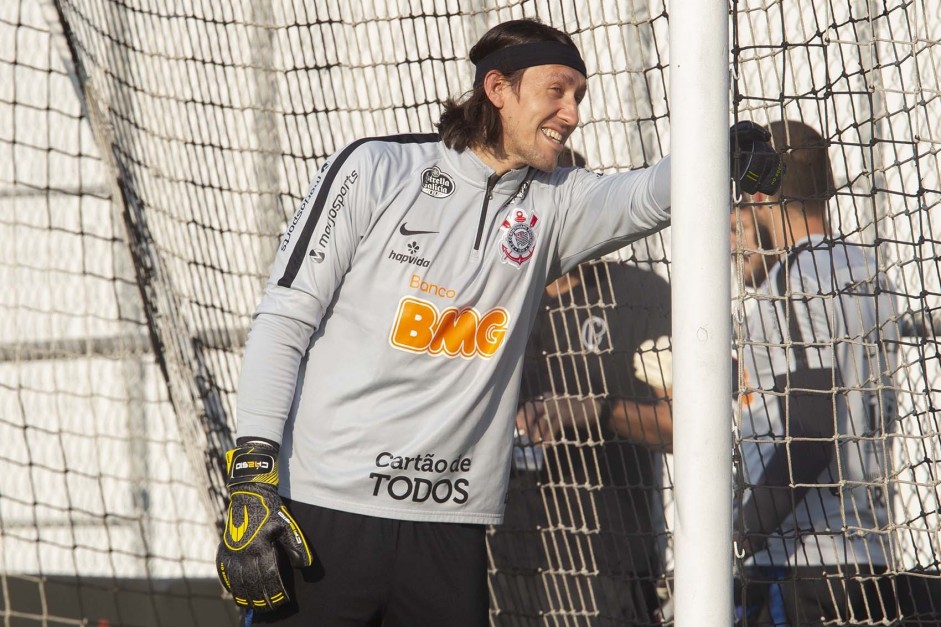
(488, 196)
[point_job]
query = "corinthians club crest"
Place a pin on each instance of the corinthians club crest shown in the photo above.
(518, 237)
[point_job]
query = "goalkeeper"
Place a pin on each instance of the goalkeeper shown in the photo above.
(382, 367)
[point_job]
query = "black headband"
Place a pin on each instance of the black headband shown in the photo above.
(512, 58)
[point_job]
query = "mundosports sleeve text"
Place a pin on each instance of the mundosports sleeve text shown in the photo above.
(605, 213)
(313, 256)
(322, 237)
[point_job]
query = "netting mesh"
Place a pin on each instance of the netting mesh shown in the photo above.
(865, 75)
(93, 497)
(144, 187)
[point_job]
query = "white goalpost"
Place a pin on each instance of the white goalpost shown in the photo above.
(702, 443)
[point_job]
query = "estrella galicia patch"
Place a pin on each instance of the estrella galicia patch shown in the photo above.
(436, 183)
(518, 237)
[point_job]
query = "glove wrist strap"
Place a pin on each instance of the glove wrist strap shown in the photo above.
(253, 462)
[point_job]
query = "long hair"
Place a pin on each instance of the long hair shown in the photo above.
(475, 121)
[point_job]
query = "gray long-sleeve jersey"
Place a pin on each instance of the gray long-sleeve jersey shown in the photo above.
(385, 354)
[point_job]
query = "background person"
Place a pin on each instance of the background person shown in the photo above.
(580, 506)
(819, 350)
(817, 401)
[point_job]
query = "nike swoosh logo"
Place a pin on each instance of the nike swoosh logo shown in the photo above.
(239, 531)
(407, 232)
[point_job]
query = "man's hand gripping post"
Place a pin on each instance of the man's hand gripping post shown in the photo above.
(257, 521)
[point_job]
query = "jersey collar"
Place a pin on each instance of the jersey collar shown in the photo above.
(471, 169)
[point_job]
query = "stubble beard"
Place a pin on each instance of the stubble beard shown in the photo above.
(541, 161)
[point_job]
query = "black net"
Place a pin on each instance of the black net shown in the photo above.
(837, 334)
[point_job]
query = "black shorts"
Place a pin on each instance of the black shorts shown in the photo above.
(548, 566)
(380, 571)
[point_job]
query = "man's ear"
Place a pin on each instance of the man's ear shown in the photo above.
(495, 85)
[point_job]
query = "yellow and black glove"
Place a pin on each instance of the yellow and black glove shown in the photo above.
(247, 560)
(755, 165)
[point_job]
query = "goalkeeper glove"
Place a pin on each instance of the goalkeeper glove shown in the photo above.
(756, 167)
(247, 560)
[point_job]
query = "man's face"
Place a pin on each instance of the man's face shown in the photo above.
(751, 245)
(538, 121)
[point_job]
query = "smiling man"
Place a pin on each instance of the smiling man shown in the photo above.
(380, 381)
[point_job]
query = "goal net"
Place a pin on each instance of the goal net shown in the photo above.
(152, 152)
(864, 75)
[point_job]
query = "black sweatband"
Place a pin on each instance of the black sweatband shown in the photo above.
(512, 58)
